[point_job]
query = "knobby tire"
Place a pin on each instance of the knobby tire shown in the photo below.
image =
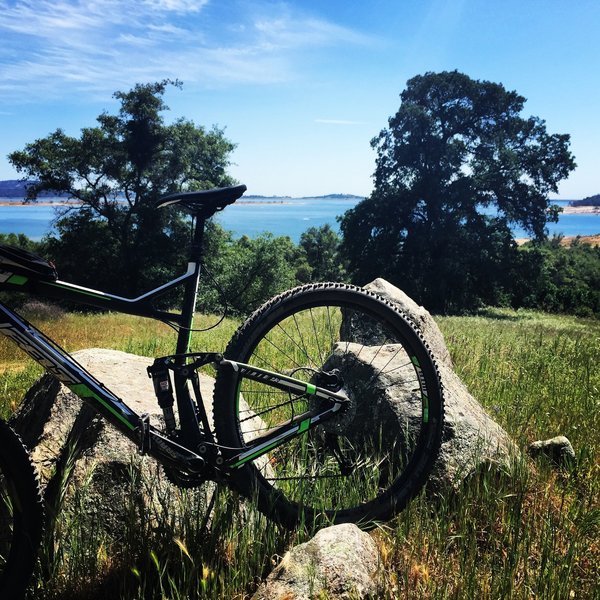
(366, 464)
(21, 515)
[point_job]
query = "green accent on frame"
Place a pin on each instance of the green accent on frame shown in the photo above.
(17, 280)
(304, 425)
(189, 340)
(83, 391)
(256, 454)
(311, 389)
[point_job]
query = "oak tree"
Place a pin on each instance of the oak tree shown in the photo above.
(456, 168)
(115, 239)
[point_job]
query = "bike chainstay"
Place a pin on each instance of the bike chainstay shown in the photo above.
(274, 437)
(294, 427)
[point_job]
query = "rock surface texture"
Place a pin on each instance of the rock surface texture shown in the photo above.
(472, 440)
(419, 316)
(340, 562)
(557, 449)
(75, 449)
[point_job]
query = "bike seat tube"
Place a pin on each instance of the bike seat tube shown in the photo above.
(191, 288)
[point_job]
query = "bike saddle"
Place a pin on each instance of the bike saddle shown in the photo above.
(204, 203)
(17, 261)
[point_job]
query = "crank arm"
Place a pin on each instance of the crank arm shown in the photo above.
(170, 453)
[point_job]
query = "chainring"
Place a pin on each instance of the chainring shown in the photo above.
(183, 479)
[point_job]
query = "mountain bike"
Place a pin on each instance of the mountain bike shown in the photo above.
(327, 402)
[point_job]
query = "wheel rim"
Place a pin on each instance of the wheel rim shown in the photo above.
(364, 455)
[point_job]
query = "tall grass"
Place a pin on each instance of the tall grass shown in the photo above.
(75, 331)
(537, 374)
(531, 533)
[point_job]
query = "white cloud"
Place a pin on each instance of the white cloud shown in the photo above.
(96, 46)
(288, 31)
(180, 6)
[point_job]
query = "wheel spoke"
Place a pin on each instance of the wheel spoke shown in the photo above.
(355, 463)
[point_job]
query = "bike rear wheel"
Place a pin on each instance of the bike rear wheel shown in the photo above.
(21, 515)
(365, 463)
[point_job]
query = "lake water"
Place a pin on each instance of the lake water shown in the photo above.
(289, 217)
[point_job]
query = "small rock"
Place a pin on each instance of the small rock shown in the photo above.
(340, 562)
(558, 449)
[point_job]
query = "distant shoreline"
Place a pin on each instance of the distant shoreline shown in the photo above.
(567, 210)
(591, 240)
(581, 210)
(42, 203)
(74, 203)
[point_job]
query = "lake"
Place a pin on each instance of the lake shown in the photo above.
(280, 216)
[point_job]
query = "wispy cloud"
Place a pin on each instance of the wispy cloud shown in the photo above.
(286, 31)
(180, 6)
(52, 47)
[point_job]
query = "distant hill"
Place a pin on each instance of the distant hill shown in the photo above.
(17, 188)
(325, 197)
(589, 201)
(13, 188)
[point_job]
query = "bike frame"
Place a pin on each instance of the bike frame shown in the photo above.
(189, 455)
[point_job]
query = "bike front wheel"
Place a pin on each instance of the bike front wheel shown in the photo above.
(21, 515)
(365, 463)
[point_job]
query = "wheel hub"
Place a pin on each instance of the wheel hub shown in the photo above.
(333, 381)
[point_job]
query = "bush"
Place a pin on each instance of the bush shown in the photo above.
(559, 279)
(247, 272)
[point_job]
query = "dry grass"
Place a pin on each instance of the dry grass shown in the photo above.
(531, 533)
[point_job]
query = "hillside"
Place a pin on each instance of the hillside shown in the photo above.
(13, 188)
(17, 188)
(589, 201)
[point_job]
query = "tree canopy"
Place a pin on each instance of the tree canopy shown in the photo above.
(243, 273)
(116, 240)
(456, 167)
(322, 248)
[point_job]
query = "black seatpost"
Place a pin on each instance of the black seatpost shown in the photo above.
(191, 287)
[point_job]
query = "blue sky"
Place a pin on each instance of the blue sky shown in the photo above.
(300, 86)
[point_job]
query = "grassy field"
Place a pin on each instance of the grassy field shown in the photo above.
(533, 533)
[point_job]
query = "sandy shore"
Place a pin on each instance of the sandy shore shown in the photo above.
(42, 203)
(592, 240)
(581, 210)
